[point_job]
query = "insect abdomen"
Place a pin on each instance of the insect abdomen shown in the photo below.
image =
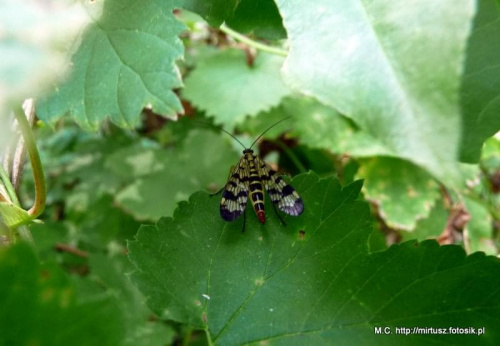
(256, 189)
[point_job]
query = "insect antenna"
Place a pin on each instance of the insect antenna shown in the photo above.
(270, 127)
(221, 129)
(233, 137)
(236, 139)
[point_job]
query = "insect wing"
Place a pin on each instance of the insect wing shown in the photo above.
(280, 192)
(235, 195)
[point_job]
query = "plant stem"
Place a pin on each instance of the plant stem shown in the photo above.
(8, 186)
(25, 234)
(257, 45)
(70, 249)
(36, 163)
(5, 234)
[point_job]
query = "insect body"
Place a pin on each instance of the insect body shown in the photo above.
(249, 178)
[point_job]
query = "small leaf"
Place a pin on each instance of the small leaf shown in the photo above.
(311, 282)
(403, 193)
(125, 62)
(478, 232)
(490, 155)
(394, 69)
(228, 89)
(260, 16)
(12, 215)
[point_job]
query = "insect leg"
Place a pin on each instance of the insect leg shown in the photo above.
(244, 220)
(277, 214)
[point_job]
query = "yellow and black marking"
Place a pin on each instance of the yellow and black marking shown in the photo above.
(250, 176)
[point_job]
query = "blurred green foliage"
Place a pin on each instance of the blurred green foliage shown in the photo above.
(382, 143)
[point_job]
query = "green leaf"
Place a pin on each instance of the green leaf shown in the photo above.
(318, 127)
(322, 127)
(77, 160)
(480, 97)
(125, 62)
(403, 193)
(213, 11)
(12, 215)
(394, 69)
(228, 89)
(109, 273)
(255, 126)
(479, 230)
(260, 16)
(102, 223)
(39, 306)
(274, 284)
(490, 155)
(172, 175)
(431, 226)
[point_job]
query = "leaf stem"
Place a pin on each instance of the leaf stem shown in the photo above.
(257, 45)
(36, 163)
(209, 337)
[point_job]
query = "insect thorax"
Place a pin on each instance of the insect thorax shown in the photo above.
(248, 154)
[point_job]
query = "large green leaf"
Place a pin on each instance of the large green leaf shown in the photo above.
(226, 87)
(480, 96)
(260, 16)
(125, 62)
(313, 281)
(39, 306)
(392, 67)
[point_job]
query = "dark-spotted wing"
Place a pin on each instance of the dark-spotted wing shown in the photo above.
(280, 192)
(235, 194)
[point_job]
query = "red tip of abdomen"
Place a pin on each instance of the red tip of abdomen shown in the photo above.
(262, 216)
